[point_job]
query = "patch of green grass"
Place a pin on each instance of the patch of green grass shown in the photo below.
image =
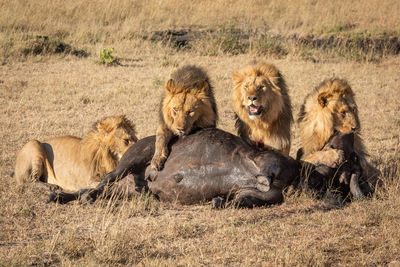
(271, 46)
(230, 41)
(86, 100)
(107, 58)
(339, 28)
(166, 61)
(157, 81)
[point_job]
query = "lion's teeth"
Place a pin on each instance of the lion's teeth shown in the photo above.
(253, 108)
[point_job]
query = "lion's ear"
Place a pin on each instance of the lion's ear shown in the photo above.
(104, 127)
(170, 86)
(204, 86)
(237, 78)
(274, 81)
(323, 98)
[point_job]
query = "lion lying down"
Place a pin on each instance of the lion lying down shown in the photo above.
(71, 162)
(211, 164)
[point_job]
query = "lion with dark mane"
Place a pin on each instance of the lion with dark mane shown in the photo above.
(71, 162)
(331, 107)
(262, 106)
(188, 104)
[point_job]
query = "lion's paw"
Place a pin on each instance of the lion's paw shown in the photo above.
(151, 174)
(334, 158)
(157, 163)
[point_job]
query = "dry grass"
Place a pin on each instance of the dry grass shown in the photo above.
(50, 95)
(41, 100)
(84, 25)
(93, 20)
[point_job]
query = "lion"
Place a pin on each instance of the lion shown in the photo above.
(70, 162)
(188, 104)
(331, 107)
(262, 106)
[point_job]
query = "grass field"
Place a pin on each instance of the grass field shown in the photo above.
(50, 93)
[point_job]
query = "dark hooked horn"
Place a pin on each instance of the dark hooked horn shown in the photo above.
(355, 186)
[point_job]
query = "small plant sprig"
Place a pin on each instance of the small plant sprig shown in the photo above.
(106, 57)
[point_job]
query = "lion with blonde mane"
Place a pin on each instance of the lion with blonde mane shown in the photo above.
(71, 162)
(262, 106)
(187, 104)
(328, 108)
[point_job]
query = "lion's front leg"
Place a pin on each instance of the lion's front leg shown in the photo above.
(332, 158)
(163, 136)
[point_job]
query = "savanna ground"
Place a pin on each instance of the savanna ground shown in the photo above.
(52, 84)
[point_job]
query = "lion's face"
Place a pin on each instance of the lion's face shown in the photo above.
(183, 107)
(183, 112)
(258, 96)
(344, 113)
(258, 92)
(122, 138)
(119, 134)
(345, 117)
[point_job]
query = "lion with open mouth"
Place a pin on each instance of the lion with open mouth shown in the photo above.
(262, 106)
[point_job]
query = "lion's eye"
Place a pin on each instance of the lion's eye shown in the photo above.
(188, 112)
(259, 88)
(126, 141)
(343, 113)
(175, 110)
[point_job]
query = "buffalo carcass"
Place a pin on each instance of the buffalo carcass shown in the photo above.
(211, 164)
(207, 164)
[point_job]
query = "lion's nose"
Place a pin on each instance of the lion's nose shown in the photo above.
(180, 131)
(252, 98)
